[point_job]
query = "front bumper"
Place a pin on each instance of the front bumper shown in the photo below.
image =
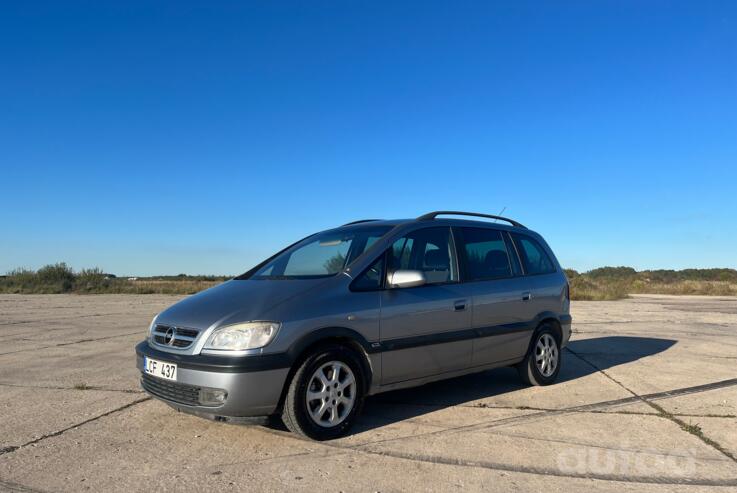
(565, 327)
(253, 387)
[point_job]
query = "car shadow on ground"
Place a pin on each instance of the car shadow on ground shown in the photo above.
(603, 352)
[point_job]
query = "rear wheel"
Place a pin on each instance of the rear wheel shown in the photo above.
(325, 395)
(542, 364)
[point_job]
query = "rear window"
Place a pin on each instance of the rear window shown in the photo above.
(486, 255)
(534, 257)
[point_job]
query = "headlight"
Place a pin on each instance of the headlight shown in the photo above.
(237, 337)
(152, 324)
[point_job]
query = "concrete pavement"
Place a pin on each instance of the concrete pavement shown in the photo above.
(647, 401)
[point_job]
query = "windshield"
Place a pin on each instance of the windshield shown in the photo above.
(322, 255)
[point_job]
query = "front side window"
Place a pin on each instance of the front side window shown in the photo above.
(321, 255)
(372, 278)
(429, 250)
(486, 254)
(534, 257)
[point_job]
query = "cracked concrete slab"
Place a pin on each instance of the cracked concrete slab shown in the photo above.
(574, 445)
(480, 432)
(721, 402)
(724, 430)
(31, 413)
(108, 363)
(141, 448)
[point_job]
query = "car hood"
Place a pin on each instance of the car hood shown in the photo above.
(233, 301)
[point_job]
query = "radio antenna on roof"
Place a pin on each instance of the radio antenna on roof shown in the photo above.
(501, 212)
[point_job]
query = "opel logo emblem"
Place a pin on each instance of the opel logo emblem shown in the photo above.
(169, 336)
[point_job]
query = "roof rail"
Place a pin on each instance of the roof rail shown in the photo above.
(360, 221)
(433, 215)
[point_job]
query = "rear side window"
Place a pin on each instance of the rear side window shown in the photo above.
(429, 250)
(485, 254)
(534, 257)
(516, 267)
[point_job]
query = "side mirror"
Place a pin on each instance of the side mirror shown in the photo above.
(406, 279)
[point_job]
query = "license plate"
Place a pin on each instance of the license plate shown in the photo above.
(161, 369)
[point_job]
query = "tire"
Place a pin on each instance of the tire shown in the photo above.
(533, 370)
(299, 412)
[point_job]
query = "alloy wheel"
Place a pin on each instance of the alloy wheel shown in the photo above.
(546, 355)
(331, 393)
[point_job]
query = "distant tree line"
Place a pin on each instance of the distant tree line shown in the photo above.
(604, 283)
(60, 278)
(617, 282)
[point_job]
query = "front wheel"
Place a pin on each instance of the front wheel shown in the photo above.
(325, 395)
(542, 363)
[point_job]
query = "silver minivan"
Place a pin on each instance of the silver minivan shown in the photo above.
(357, 310)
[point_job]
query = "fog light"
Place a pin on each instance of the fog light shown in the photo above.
(212, 397)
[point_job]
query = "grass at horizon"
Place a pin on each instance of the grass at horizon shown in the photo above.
(606, 283)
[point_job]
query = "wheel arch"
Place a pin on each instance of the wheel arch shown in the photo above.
(341, 336)
(543, 319)
(549, 318)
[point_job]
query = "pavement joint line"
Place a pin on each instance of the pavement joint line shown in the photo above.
(694, 430)
(52, 387)
(431, 459)
(688, 428)
(21, 322)
(694, 334)
(607, 322)
(727, 416)
(552, 409)
(327, 451)
(692, 390)
(72, 343)
(13, 448)
(526, 437)
(24, 336)
(603, 447)
(545, 414)
(362, 447)
(625, 352)
(17, 488)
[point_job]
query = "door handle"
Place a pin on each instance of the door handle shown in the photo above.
(526, 296)
(459, 305)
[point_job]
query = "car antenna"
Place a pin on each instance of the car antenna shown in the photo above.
(501, 211)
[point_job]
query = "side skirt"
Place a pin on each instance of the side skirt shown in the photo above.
(416, 382)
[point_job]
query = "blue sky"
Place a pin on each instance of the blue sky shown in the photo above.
(159, 138)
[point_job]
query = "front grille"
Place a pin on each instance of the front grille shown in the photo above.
(178, 337)
(172, 391)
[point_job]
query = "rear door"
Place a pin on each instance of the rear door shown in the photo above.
(422, 328)
(547, 283)
(502, 312)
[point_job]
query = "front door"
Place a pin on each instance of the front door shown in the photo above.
(423, 329)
